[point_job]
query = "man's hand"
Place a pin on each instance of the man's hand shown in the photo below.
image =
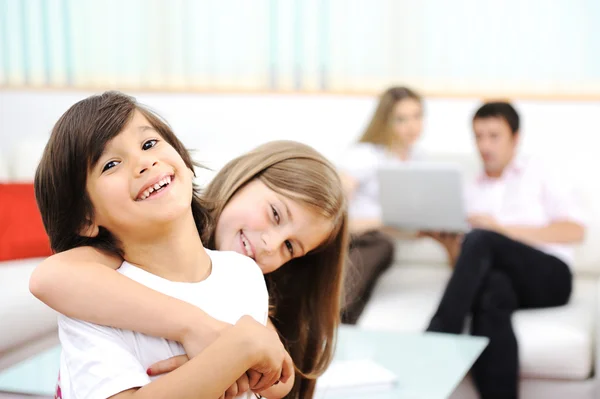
(450, 241)
(486, 222)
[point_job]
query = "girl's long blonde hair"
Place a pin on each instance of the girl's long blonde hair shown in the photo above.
(379, 129)
(305, 292)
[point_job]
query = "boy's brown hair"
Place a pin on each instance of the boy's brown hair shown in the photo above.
(76, 144)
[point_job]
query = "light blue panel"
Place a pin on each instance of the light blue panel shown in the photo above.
(324, 43)
(273, 44)
(15, 53)
(4, 65)
(129, 41)
(464, 45)
(67, 34)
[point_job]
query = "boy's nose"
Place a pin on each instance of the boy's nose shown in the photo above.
(145, 166)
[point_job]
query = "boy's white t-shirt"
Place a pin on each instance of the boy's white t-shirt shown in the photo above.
(98, 361)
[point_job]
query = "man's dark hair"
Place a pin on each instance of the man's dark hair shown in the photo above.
(75, 145)
(502, 110)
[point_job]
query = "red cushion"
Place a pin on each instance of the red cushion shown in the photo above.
(22, 233)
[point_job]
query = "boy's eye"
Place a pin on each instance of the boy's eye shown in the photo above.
(149, 144)
(275, 213)
(109, 165)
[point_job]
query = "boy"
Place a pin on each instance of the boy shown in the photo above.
(115, 177)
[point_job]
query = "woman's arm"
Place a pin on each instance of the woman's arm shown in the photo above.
(246, 345)
(359, 226)
(82, 283)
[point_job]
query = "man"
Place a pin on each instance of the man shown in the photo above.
(517, 255)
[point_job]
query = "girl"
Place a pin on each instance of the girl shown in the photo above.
(388, 140)
(267, 205)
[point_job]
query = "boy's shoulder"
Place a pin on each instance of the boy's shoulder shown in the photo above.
(244, 283)
(234, 262)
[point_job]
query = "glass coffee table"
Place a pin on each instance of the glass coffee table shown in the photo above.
(427, 365)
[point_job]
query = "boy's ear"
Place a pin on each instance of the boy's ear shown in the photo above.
(90, 229)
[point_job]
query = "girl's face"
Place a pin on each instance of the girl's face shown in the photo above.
(269, 227)
(407, 121)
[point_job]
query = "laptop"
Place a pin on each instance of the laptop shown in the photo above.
(423, 196)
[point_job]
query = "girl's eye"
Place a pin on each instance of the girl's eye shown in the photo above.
(290, 247)
(275, 214)
(109, 165)
(149, 144)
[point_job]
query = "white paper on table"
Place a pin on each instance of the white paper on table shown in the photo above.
(354, 376)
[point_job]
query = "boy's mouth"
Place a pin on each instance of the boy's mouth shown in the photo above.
(155, 188)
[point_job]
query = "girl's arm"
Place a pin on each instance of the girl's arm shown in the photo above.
(82, 283)
(246, 345)
(275, 392)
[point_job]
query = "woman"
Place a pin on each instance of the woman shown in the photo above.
(388, 140)
(265, 204)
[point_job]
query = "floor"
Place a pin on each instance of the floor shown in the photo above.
(13, 396)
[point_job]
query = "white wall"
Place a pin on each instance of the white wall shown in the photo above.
(222, 126)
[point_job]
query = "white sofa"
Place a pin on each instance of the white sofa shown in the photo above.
(26, 325)
(557, 346)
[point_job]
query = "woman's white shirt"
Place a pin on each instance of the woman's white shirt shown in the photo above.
(361, 162)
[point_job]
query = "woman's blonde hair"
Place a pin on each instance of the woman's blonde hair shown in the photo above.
(379, 129)
(305, 292)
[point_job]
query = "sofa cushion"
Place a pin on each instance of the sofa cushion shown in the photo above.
(24, 318)
(22, 233)
(554, 343)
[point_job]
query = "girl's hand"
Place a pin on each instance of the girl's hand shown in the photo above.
(166, 366)
(272, 363)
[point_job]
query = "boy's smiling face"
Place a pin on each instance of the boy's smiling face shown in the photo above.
(139, 183)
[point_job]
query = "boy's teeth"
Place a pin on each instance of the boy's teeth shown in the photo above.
(160, 184)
